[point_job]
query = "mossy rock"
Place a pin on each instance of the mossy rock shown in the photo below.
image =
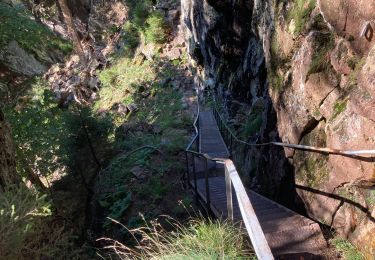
(312, 168)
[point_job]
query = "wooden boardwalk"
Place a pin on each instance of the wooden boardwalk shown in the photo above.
(288, 234)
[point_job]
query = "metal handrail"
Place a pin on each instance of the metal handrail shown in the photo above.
(195, 124)
(249, 217)
(288, 145)
(253, 228)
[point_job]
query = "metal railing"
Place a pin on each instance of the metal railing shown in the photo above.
(232, 179)
(231, 139)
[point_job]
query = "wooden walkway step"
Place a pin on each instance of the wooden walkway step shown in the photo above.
(286, 231)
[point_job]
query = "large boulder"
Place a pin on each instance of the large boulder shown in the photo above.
(18, 60)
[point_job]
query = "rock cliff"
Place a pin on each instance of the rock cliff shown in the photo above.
(299, 72)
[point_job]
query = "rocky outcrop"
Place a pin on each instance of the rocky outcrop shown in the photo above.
(351, 19)
(312, 69)
(19, 61)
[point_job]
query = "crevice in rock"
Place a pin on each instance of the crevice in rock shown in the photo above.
(335, 212)
(324, 99)
(309, 127)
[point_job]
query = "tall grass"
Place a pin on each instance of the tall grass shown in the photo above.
(197, 239)
(26, 230)
(348, 250)
(300, 13)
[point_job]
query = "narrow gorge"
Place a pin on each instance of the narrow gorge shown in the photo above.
(298, 72)
(98, 101)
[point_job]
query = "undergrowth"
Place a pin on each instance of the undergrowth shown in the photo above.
(16, 23)
(197, 239)
(48, 138)
(348, 250)
(159, 122)
(26, 229)
(254, 122)
(144, 24)
(322, 45)
(300, 13)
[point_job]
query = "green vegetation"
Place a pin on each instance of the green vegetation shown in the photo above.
(316, 171)
(278, 62)
(130, 37)
(348, 250)
(156, 28)
(26, 227)
(48, 138)
(300, 14)
(159, 122)
(312, 168)
(254, 123)
(319, 24)
(370, 198)
(275, 80)
(322, 45)
(338, 108)
(17, 24)
(144, 24)
(123, 80)
(198, 239)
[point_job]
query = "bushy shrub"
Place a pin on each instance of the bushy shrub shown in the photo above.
(25, 226)
(140, 12)
(131, 37)
(155, 28)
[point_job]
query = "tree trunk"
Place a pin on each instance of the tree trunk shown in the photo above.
(69, 22)
(8, 174)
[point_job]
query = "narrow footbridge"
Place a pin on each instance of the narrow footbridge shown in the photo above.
(274, 230)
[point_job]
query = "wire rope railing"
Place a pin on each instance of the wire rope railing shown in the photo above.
(231, 138)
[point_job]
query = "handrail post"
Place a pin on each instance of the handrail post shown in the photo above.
(231, 145)
(256, 234)
(198, 135)
(207, 185)
(195, 177)
(228, 190)
(187, 174)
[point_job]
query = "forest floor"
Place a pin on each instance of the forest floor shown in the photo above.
(87, 156)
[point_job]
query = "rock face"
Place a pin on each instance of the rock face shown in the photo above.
(224, 41)
(19, 61)
(7, 155)
(303, 76)
(351, 19)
